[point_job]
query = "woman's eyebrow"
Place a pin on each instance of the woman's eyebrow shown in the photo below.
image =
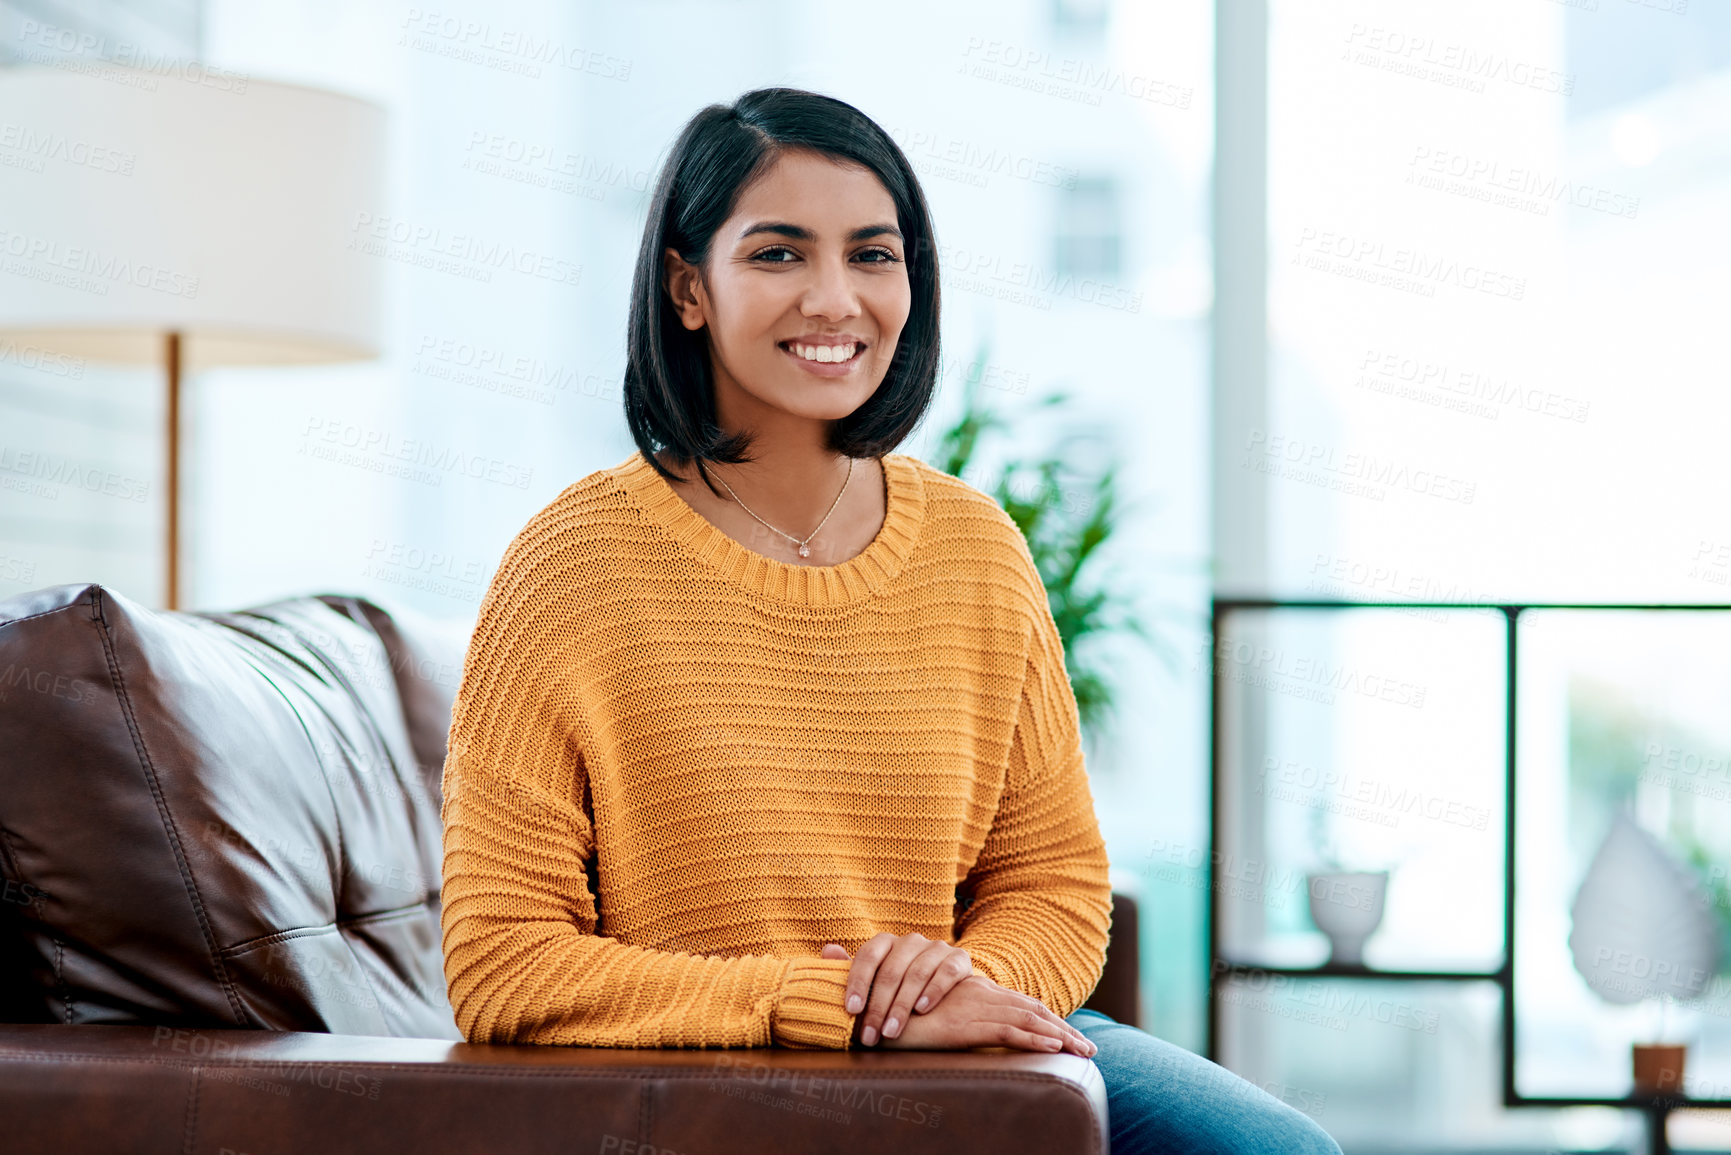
(801, 233)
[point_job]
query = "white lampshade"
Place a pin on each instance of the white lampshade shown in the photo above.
(216, 206)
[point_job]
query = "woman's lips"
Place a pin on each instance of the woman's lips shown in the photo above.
(828, 368)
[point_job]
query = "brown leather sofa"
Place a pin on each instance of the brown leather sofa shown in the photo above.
(219, 859)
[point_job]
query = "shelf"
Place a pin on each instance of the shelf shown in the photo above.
(1632, 1102)
(1228, 967)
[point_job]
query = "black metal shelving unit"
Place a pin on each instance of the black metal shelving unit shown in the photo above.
(1656, 1108)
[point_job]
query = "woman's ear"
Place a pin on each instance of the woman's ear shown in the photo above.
(684, 284)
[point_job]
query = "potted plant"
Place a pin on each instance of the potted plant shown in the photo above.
(1068, 513)
(1345, 904)
(1643, 931)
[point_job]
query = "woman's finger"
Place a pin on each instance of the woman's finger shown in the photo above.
(887, 982)
(1021, 1031)
(1054, 1024)
(952, 970)
(864, 970)
(916, 980)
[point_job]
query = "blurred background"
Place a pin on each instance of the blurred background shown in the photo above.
(1370, 302)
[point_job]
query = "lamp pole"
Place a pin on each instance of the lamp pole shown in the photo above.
(171, 357)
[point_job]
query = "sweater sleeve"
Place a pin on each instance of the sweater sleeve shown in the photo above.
(523, 961)
(1042, 902)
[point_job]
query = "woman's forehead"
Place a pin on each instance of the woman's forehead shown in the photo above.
(829, 198)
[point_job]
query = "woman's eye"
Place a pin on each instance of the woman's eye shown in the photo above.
(774, 254)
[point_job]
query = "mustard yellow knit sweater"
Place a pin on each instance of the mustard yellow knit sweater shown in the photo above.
(678, 768)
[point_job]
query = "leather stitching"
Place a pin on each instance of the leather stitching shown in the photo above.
(441, 1067)
(437, 1070)
(188, 1140)
(33, 617)
(222, 976)
(336, 927)
(60, 978)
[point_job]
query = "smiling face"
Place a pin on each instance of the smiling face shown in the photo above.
(804, 293)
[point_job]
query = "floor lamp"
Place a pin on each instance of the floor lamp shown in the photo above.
(189, 221)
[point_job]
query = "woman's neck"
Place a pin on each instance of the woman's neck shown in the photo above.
(788, 490)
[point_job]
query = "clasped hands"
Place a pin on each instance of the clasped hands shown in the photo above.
(916, 993)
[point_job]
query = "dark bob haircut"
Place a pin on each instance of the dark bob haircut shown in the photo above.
(669, 391)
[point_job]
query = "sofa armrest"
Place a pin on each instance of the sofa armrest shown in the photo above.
(163, 1089)
(1118, 995)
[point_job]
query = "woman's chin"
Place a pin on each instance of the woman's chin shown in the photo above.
(822, 401)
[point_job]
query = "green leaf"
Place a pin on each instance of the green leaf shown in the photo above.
(1066, 540)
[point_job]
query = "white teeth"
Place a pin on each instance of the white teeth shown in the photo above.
(826, 353)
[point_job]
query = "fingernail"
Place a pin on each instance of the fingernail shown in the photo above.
(854, 1003)
(890, 1029)
(869, 1036)
(922, 1004)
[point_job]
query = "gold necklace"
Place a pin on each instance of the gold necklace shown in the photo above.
(804, 549)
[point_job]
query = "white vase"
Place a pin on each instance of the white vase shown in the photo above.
(1347, 907)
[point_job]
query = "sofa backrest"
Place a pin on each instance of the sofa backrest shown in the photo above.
(220, 819)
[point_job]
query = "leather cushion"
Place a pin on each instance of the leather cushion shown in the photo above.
(217, 819)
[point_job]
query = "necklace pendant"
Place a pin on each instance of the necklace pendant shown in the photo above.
(804, 550)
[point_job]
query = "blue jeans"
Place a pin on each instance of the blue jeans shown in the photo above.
(1162, 1098)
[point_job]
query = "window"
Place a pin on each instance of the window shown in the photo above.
(1089, 233)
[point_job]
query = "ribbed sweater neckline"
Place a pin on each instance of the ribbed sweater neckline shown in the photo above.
(860, 577)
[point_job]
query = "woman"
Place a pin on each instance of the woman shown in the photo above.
(764, 734)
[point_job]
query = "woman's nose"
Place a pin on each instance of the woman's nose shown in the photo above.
(831, 293)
